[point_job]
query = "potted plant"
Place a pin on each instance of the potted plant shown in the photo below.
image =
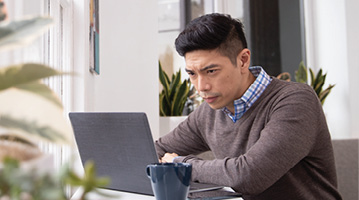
(174, 99)
(174, 93)
(316, 80)
(31, 112)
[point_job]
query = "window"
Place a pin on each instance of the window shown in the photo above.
(57, 46)
(54, 49)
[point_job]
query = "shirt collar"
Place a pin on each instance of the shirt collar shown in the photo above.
(242, 104)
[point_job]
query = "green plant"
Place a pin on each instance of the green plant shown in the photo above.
(40, 117)
(31, 112)
(174, 93)
(23, 80)
(89, 182)
(316, 80)
(16, 183)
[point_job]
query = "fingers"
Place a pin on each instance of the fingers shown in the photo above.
(168, 157)
(161, 160)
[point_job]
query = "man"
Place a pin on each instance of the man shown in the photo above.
(269, 137)
(3, 11)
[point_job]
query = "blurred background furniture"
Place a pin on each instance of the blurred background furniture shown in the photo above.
(346, 162)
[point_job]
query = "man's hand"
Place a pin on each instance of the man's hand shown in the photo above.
(168, 157)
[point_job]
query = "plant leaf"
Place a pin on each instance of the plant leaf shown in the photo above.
(21, 32)
(312, 79)
(323, 95)
(173, 99)
(317, 79)
(175, 84)
(42, 90)
(320, 83)
(185, 96)
(91, 180)
(72, 179)
(164, 105)
(89, 168)
(301, 74)
(179, 99)
(16, 75)
(31, 127)
(163, 79)
(33, 117)
(102, 181)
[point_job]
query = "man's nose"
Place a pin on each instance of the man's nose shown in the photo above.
(203, 84)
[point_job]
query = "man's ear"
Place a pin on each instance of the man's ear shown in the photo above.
(244, 58)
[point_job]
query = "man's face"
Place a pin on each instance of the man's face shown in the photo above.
(217, 80)
(3, 11)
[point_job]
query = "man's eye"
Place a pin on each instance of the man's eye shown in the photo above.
(190, 73)
(211, 71)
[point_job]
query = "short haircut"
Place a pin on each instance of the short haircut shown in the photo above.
(213, 31)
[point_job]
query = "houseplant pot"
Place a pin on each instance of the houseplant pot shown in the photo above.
(168, 123)
(173, 98)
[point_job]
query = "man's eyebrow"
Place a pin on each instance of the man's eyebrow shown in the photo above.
(203, 69)
(188, 71)
(209, 67)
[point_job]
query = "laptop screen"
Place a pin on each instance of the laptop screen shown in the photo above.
(120, 144)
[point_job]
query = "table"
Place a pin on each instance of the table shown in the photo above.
(118, 195)
(112, 195)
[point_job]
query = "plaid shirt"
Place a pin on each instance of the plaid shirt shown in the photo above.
(251, 95)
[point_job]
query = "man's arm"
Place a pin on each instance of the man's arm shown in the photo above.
(285, 140)
(184, 140)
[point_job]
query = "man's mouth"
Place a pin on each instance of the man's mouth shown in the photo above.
(210, 99)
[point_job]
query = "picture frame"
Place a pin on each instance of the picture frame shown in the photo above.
(169, 15)
(94, 37)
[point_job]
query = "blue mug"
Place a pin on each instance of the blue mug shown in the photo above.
(170, 181)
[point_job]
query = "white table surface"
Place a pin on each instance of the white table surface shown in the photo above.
(118, 195)
(113, 194)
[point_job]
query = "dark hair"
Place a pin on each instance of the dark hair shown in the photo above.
(210, 32)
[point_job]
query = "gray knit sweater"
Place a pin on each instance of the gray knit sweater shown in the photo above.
(279, 149)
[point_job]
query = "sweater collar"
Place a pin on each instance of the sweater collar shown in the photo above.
(254, 91)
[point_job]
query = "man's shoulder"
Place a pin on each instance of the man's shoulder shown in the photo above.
(284, 92)
(282, 86)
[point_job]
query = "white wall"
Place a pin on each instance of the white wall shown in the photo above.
(128, 62)
(352, 15)
(332, 44)
(128, 80)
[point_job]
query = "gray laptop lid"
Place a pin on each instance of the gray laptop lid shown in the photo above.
(120, 144)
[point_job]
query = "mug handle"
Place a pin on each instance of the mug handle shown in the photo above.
(148, 171)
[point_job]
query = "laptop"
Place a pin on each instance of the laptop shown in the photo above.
(121, 145)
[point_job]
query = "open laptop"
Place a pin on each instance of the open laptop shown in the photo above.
(121, 145)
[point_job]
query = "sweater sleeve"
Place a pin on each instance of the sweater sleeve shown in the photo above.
(294, 120)
(185, 139)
